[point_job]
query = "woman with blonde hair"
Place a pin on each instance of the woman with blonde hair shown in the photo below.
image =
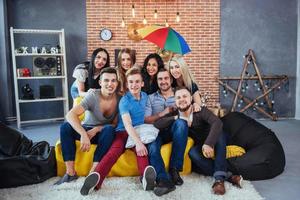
(179, 70)
(126, 60)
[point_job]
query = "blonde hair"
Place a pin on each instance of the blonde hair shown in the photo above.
(187, 76)
(133, 71)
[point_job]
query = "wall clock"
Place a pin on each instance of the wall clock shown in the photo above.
(105, 34)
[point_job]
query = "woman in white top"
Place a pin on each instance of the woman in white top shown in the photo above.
(87, 75)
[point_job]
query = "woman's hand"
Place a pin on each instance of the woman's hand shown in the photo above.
(196, 107)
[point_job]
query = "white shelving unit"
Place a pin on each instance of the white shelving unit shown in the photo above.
(63, 77)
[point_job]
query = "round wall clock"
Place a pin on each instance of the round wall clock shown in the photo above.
(105, 34)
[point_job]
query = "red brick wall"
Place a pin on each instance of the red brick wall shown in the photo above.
(199, 25)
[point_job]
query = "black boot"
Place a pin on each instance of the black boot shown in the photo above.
(174, 173)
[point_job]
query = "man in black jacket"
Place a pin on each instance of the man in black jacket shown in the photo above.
(210, 141)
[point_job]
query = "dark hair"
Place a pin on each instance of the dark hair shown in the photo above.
(163, 70)
(108, 70)
(148, 88)
(91, 80)
(181, 88)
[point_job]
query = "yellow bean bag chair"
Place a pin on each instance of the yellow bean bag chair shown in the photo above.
(126, 165)
(76, 102)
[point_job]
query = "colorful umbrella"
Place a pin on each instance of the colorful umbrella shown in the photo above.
(166, 38)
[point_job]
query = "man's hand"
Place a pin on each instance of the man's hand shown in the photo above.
(141, 149)
(207, 151)
(85, 143)
(166, 111)
(92, 132)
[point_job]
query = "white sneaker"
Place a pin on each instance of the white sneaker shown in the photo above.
(89, 183)
(149, 178)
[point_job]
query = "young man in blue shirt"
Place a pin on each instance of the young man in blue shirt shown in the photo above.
(131, 113)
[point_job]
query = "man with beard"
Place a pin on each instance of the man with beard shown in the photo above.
(160, 104)
(210, 141)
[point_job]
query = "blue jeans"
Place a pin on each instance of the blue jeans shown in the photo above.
(68, 136)
(178, 133)
(209, 167)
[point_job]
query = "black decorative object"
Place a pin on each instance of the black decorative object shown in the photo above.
(47, 91)
(27, 92)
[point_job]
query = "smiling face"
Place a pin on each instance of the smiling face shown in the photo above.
(183, 99)
(135, 84)
(164, 81)
(126, 61)
(100, 60)
(108, 83)
(175, 69)
(152, 67)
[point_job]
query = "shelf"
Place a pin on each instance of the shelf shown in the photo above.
(39, 54)
(60, 78)
(42, 100)
(37, 31)
(42, 120)
(41, 77)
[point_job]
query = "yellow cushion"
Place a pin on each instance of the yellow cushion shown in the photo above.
(77, 101)
(233, 151)
(126, 165)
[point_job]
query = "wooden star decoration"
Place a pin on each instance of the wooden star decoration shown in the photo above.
(250, 59)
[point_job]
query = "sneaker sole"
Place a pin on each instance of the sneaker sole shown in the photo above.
(90, 182)
(159, 191)
(240, 182)
(149, 178)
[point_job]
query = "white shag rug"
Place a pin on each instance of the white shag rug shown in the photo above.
(195, 187)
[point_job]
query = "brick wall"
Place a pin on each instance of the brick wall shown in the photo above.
(199, 25)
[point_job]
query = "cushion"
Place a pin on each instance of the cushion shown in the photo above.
(146, 132)
(233, 151)
(126, 165)
(264, 157)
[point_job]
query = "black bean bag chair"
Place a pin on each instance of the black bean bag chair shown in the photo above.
(264, 157)
(23, 162)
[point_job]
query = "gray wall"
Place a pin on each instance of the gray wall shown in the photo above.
(297, 115)
(51, 14)
(268, 27)
(6, 106)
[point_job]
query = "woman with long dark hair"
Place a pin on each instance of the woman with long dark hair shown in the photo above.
(152, 64)
(87, 75)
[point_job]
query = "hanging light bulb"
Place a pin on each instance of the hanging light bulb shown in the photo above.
(177, 17)
(144, 20)
(123, 22)
(133, 10)
(167, 24)
(155, 14)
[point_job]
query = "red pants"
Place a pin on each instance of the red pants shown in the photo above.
(113, 154)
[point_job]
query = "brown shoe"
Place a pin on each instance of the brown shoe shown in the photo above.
(236, 180)
(218, 187)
